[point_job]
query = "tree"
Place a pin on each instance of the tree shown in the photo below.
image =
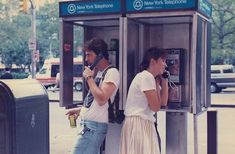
(15, 33)
(223, 29)
(2, 10)
(48, 31)
(14, 41)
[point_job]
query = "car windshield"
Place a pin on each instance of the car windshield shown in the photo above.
(42, 71)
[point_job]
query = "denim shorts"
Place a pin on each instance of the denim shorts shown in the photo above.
(90, 137)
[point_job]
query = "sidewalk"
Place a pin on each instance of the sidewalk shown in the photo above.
(62, 136)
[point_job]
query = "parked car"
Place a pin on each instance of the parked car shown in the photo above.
(222, 76)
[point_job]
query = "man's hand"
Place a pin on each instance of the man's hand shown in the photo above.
(75, 112)
(87, 72)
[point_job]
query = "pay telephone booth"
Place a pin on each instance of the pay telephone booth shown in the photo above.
(100, 18)
(94, 18)
(183, 28)
(86, 19)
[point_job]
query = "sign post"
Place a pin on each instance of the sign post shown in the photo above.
(32, 41)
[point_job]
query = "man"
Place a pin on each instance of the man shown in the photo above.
(57, 81)
(94, 113)
(7, 74)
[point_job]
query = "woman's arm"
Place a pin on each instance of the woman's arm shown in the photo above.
(164, 92)
(159, 97)
(154, 99)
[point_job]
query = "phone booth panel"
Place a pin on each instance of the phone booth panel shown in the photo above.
(86, 16)
(202, 63)
(66, 63)
(184, 34)
(164, 32)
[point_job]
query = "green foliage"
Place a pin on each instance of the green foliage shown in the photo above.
(15, 33)
(217, 57)
(21, 75)
(226, 56)
(48, 31)
(223, 31)
(78, 40)
(13, 41)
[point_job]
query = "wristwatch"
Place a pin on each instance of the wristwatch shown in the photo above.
(89, 77)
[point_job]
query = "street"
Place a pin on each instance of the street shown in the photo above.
(62, 136)
(226, 97)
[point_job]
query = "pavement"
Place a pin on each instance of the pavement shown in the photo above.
(62, 136)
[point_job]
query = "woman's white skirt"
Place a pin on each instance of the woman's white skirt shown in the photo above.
(138, 136)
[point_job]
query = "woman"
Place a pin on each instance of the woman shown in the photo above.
(147, 93)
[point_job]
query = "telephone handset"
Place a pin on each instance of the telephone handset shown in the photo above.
(166, 75)
(97, 60)
(93, 65)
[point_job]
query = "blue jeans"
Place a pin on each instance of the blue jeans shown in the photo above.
(91, 137)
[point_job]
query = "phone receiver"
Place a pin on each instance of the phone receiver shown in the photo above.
(98, 58)
(166, 74)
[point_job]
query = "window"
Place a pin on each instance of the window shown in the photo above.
(215, 71)
(227, 70)
(54, 70)
(77, 70)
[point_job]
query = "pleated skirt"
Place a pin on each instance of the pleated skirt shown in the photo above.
(138, 136)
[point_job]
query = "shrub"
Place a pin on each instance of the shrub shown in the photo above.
(20, 75)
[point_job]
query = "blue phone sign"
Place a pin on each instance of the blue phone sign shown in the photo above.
(89, 7)
(152, 5)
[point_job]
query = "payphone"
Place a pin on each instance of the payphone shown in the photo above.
(175, 65)
(185, 35)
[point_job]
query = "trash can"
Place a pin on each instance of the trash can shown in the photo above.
(24, 117)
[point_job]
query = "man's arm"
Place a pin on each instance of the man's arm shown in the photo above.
(103, 93)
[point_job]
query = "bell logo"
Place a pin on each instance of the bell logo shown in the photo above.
(71, 8)
(138, 4)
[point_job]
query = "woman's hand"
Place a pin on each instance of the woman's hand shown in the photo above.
(164, 83)
(158, 80)
(162, 89)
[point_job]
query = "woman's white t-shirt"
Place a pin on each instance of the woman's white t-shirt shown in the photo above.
(137, 104)
(100, 113)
